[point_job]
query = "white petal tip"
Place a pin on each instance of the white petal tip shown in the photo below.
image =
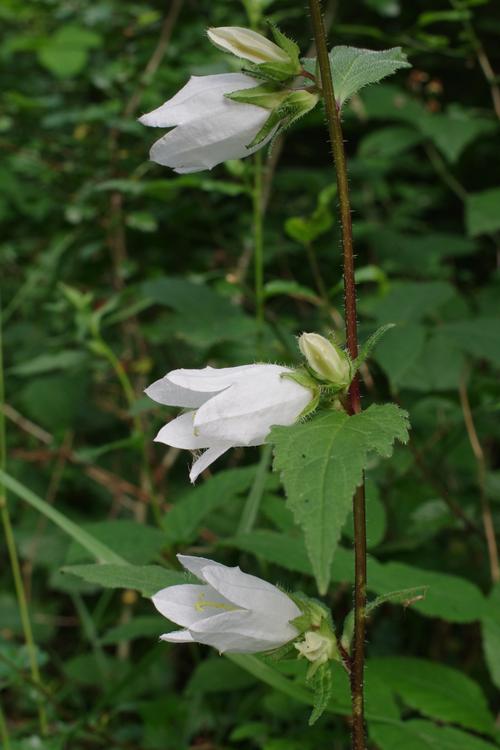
(147, 120)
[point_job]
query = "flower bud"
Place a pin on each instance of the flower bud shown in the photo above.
(247, 44)
(327, 361)
(317, 648)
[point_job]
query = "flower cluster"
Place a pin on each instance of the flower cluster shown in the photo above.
(215, 118)
(237, 406)
(231, 115)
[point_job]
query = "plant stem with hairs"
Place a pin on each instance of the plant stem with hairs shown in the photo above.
(359, 512)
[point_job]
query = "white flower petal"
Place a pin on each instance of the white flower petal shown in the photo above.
(199, 97)
(209, 140)
(189, 603)
(206, 459)
(239, 632)
(196, 564)
(252, 593)
(179, 433)
(178, 636)
(164, 391)
(210, 379)
(245, 413)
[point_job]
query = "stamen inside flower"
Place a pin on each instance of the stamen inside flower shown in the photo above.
(203, 604)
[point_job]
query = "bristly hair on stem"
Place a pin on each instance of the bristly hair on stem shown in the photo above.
(359, 513)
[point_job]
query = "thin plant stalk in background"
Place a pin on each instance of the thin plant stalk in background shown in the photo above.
(14, 561)
(258, 241)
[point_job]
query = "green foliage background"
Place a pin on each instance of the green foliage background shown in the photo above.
(115, 271)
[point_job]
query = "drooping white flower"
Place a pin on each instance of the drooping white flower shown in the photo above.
(231, 610)
(208, 127)
(230, 406)
(247, 44)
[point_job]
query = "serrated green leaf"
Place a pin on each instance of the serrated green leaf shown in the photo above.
(321, 463)
(436, 690)
(354, 68)
(148, 579)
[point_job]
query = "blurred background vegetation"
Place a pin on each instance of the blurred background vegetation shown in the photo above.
(115, 271)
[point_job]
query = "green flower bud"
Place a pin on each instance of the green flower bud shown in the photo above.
(327, 361)
(247, 44)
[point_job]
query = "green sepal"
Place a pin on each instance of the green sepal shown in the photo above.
(267, 95)
(302, 377)
(314, 613)
(319, 679)
(275, 70)
(369, 345)
(296, 104)
(287, 45)
(405, 597)
(282, 652)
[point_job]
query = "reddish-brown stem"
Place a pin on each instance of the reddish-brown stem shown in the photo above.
(354, 404)
(305, 74)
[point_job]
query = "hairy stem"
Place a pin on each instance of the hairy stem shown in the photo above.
(337, 144)
(14, 560)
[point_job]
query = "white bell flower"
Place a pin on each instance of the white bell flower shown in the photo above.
(208, 127)
(231, 611)
(230, 406)
(247, 44)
